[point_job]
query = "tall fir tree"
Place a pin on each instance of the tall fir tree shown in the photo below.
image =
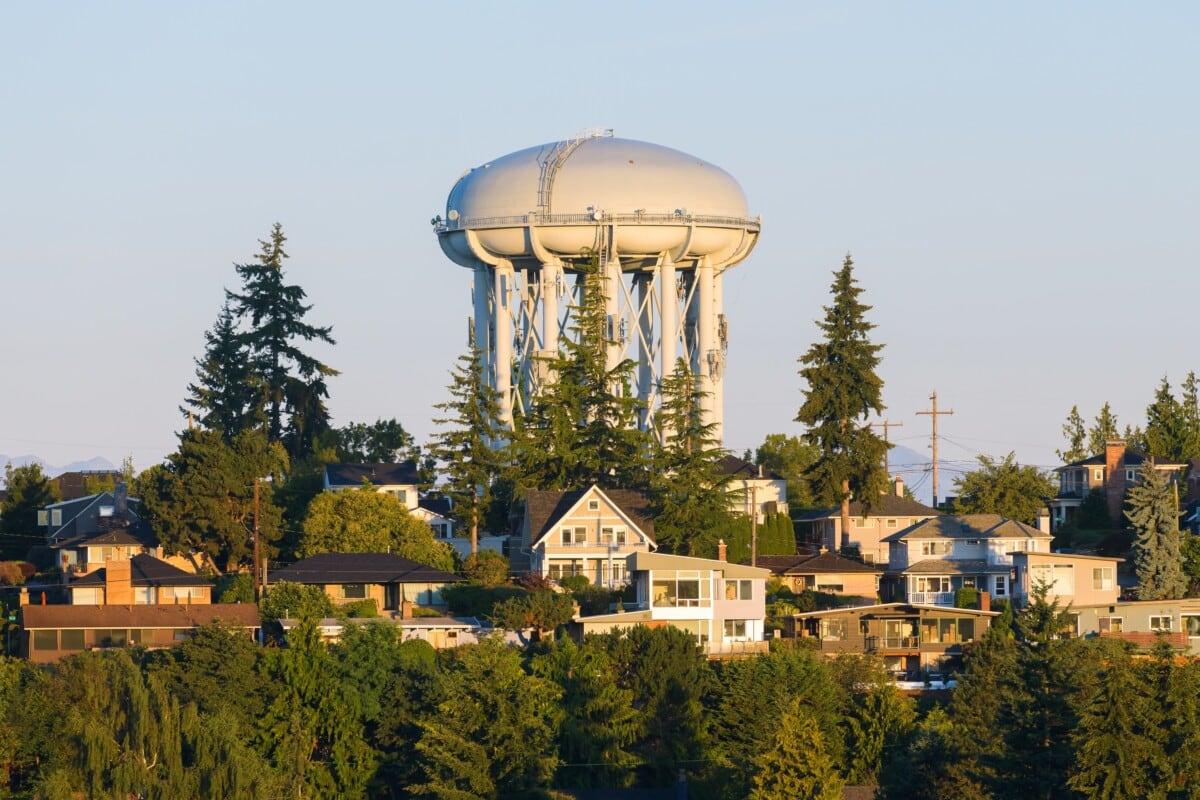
(687, 490)
(843, 390)
(293, 382)
(795, 764)
(1076, 436)
(1166, 426)
(227, 395)
(1157, 550)
(1104, 428)
(471, 445)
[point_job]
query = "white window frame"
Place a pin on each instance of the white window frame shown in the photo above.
(892, 522)
(736, 629)
(1102, 578)
(1097, 474)
(743, 589)
(863, 522)
(593, 505)
(937, 547)
(614, 535)
(1161, 622)
(573, 536)
(55, 517)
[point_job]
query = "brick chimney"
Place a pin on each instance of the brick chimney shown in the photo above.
(721, 550)
(899, 486)
(406, 609)
(118, 583)
(1114, 477)
(985, 601)
(1043, 520)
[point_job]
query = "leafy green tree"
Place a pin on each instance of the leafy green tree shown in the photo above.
(28, 491)
(795, 765)
(688, 493)
(1166, 426)
(791, 458)
(366, 521)
(1154, 514)
(287, 600)
(1190, 404)
(227, 395)
(843, 390)
(1093, 512)
(293, 382)
(468, 447)
(1076, 436)
(487, 568)
(542, 611)
(1103, 429)
(494, 733)
(1005, 488)
(383, 441)
(599, 720)
(201, 501)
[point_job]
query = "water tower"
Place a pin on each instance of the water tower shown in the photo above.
(664, 225)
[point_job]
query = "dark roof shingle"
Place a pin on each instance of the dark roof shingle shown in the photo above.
(544, 509)
(331, 568)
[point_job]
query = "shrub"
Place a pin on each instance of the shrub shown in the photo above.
(575, 583)
(234, 588)
(295, 600)
(361, 609)
(487, 568)
(966, 597)
(594, 600)
(473, 600)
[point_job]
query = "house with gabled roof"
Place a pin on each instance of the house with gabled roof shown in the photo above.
(393, 582)
(824, 571)
(929, 561)
(890, 513)
(139, 580)
(589, 532)
(753, 489)
(1114, 471)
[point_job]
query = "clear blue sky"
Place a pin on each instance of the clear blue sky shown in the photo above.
(1017, 183)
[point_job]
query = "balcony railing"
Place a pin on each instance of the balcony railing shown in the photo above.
(931, 598)
(893, 642)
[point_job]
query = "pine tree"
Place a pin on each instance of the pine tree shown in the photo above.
(795, 765)
(843, 389)
(28, 490)
(1103, 429)
(1075, 434)
(688, 492)
(1153, 512)
(1166, 426)
(272, 313)
(469, 446)
(227, 395)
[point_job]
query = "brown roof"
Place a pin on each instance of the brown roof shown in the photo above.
(544, 509)
(809, 564)
(967, 526)
(888, 505)
(135, 616)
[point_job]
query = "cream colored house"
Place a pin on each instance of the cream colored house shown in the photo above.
(589, 532)
(752, 489)
(140, 580)
(393, 582)
(1068, 578)
(868, 526)
(1143, 622)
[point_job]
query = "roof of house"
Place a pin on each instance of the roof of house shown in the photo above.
(641, 561)
(139, 616)
(967, 526)
(439, 505)
(544, 509)
(955, 566)
(814, 564)
(379, 474)
(146, 570)
(1133, 458)
(330, 568)
(888, 505)
(114, 531)
(743, 469)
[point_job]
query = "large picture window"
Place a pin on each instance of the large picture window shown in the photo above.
(683, 589)
(738, 590)
(354, 591)
(1102, 578)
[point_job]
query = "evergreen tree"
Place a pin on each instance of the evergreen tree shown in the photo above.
(1154, 514)
(843, 389)
(227, 394)
(1166, 426)
(1135, 438)
(795, 766)
(1103, 429)
(1190, 404)
(28, 491)
(272, 313)
(1076, 436)
(1005, 488)
(469, 446)
(688, 492)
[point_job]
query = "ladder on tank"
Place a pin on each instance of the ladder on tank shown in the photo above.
(548, 167)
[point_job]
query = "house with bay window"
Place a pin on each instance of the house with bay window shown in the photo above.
(723, 605)
(590, 532)
(929, 561)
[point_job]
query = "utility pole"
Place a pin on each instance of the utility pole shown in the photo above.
(257, 583)
(934, 414)
(887, 423)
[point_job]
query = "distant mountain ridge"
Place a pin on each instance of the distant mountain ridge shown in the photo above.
(51, 471)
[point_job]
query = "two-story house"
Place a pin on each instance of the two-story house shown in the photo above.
(723, 605)
(824, 571)
(869, 527)
(1068, 578)
(1114, 471)
(929, 561)
(589, 532)
(752, 489)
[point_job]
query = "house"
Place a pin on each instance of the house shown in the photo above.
(723, 605)
(825, 572)
(930, 560)
(82, 516)
(913, 640)
(752, 489)
(139, 580)
(76, 484)
(1144, 623)
(590, 532)
(399, 480)
(868, 526)
(1069, 578)
(50, 632)
(1114, 471)
(393, 582)
(441, 632)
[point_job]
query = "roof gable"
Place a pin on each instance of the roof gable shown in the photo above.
(146, 570)
(967, 526)
(545, 510)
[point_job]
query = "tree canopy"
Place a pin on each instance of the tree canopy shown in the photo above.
(1154, 514)
(28, 491)
(366, 521)
(1006, 488)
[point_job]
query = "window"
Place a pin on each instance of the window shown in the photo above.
(574, 536)
(862, 522)
(43, 518)
(354, 591)
(936, 583)
(72, 639)
(1111, 625)
(144, 595)
(612, 536)
(1131, 475)
(1000, 586)
(892, 523)
(1102, 578)
(141, 636)
(1191, 624)
(45, 640)
(401, 495)
(685, 588)
(830, 584)
(1160, 623)
(1059, 579)
(833, 629)
(557, 570)
(738, 590)
(593, 505)
(1097, 475)
(56, 516)
(735, 629)
(936, 548)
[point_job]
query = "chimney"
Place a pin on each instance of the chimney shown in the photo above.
(899, 486)
(1043, 520)
(721, 550)
(121, 499)
(24, 597)
(1114, 477)
(406, 609)
(985, 601)
(118, 583)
